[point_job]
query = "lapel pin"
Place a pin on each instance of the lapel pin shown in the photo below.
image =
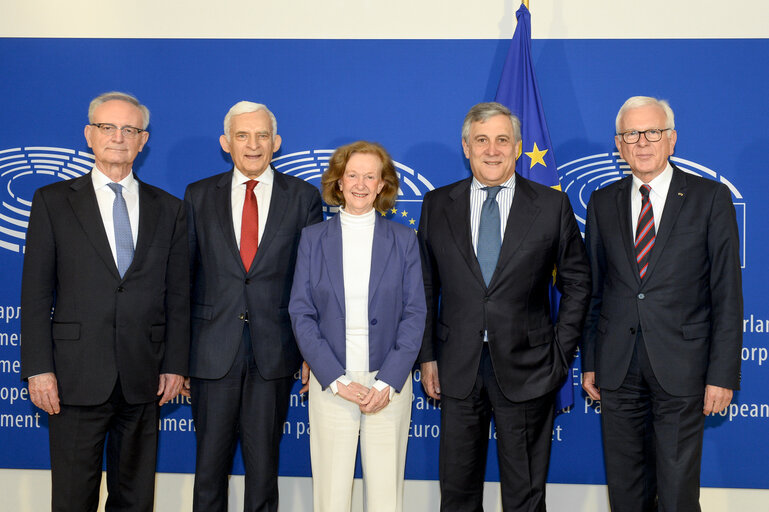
(681, 194)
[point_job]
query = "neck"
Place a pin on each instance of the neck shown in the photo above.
(115, 172)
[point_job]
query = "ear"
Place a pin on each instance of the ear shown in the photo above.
(466, 148)
(673, 139)
(618, 143)
(88, 132)
(224, 143)
(276, 143)
(518, 149)
(145, 136)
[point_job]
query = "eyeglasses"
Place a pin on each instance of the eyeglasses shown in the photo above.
(129, 132)
(653, 135)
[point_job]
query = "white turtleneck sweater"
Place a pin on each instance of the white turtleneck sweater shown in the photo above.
(357, 244)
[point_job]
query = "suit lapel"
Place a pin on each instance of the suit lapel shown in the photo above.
(86, 208)
(380, 253)
(149, 211)
(673, 203)
(521, 217)
(458, 215)
(279, 198)
(223, 207)
(623, 201)
(331, 245)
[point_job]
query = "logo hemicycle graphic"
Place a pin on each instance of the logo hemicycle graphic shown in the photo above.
(24, 170)
(580, 177)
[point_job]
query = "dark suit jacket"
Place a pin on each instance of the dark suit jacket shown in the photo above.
(103, 326)
(223, 291)
(396, 305)
(689, 305)
(529, 350)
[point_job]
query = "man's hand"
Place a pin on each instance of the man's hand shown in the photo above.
(169, 386)
(716, 399)
(588, 384)
(44, 392)
(354, 393)
(375, 400)
(429, 371)
(185, 391)
(305, 377)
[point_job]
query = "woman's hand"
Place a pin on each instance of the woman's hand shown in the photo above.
(355, 392)
(375, 400)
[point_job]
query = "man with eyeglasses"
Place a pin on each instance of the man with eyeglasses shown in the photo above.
(489, 245)
(662, 339)
(109, 254)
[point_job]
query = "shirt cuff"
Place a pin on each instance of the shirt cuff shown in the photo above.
(379, 385)
(344, 379)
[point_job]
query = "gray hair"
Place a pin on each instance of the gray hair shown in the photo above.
(482, 112)
(644, 101)
(119, 96)
(245, 107)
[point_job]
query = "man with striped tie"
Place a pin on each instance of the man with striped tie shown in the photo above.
(662, 339)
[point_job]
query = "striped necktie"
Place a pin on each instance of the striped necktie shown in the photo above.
(645, 233)
(124, 240)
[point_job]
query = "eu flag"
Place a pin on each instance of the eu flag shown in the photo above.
(518, 91)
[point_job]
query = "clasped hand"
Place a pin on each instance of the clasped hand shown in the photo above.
(368, 400)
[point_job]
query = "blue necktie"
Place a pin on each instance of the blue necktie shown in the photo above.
(489, 239)
(124, 240)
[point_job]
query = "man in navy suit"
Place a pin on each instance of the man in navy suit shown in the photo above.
(489, 245)
(109, 254)
(244, 228)
(663, 335)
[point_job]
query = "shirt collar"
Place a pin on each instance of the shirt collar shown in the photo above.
(477, 185)
(239, 179)
(659, 185)
(99, 180)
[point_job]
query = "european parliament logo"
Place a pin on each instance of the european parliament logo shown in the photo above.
(580, 177)
(309, 165)
(24, 170)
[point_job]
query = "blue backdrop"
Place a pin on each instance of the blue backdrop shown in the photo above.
(410, 95)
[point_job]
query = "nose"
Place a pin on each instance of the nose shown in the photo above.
(117, 135)
(492, 149)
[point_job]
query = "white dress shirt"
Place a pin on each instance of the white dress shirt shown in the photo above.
(478, 196)
(660, 186)
(106, 197)
(263, 193)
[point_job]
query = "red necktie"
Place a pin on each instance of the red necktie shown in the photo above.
(249, 227)
(645, 234)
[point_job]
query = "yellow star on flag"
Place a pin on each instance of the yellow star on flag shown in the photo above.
(537, 156)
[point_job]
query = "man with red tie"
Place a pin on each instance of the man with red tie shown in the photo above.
(244, 228)
(662, 339)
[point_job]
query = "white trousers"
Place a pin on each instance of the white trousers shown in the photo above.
(335, 424)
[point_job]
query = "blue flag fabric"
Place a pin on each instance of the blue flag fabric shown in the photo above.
(518, 91)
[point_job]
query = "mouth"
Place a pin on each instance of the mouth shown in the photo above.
(360, 194)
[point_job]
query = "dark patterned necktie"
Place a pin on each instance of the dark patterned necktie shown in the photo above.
(489, 240)
(645, 233)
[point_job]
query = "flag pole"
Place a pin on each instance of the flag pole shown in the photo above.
(526, 3)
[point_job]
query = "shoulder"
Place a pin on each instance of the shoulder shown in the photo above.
(398, 230)
(64, 187)
(160, 194)
(296, 185)
(449, 191)
(538, 190)
(316, 231)
(210, 182)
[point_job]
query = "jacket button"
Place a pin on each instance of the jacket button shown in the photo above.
(373, 322)
(248, 281)
(120, 289)
(641, 296)
(632, 330)
(242, 316)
